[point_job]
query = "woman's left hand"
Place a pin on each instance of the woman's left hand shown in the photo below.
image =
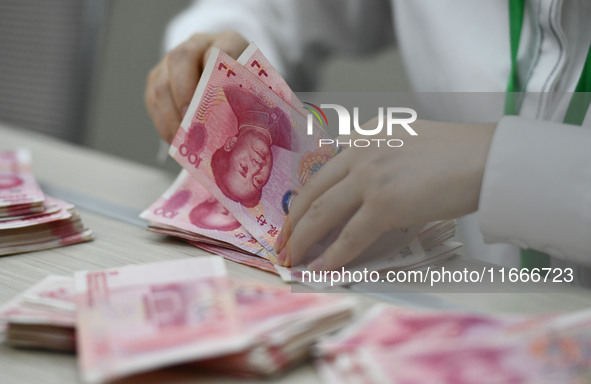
(433, 176)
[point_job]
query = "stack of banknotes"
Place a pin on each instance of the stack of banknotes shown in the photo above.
(43, 317)
(246, 151)
(139, 318)
(392, 345)
(29, 219)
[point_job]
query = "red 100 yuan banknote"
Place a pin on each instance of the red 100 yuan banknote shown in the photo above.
(137, 318)
(193, 213)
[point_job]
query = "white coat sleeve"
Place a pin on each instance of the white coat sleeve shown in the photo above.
(536, 189)
(295, 35)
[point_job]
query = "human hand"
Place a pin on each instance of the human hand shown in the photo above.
(171, 84)
(434, 176)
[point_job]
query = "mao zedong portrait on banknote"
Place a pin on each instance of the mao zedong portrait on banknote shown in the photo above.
(242, 166)
(211, 214)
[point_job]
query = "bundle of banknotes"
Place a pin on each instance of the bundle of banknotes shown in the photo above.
(29, 219)
(44, 316)
(392, 345)
(246, 151)
(138, 318)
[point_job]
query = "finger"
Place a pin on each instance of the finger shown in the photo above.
(230, 42)
(330, 174)
(160, 104)
(329, 210)
(358, 234)
(284, 257)
(283, 234)
(184, 69)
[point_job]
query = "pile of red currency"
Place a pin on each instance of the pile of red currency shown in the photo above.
(29, 219)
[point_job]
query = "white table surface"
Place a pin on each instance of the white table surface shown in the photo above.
(112, 186)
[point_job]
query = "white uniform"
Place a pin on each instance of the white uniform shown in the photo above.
(536, 191)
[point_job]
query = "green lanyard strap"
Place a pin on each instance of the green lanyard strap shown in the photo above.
(575, 114)
(516, 13)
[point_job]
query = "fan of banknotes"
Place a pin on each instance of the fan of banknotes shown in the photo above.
(139, 318)
(29, 219)
(246, 153)
(393, 345)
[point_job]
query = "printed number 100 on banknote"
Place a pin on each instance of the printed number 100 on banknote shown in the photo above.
(247, 146)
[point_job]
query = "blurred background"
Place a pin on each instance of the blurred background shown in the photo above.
(76, 70)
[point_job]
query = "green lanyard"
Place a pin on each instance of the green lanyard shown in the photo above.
(575, 113)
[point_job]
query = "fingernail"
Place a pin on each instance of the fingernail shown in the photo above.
(316, 265)
(282, 256)
(279, 242)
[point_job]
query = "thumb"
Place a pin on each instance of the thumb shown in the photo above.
(230, 42)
